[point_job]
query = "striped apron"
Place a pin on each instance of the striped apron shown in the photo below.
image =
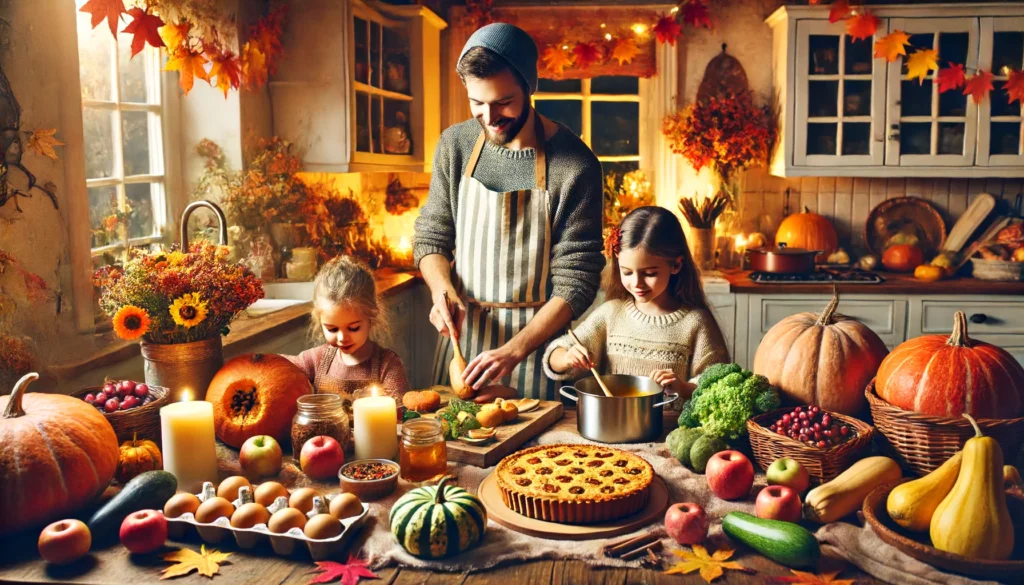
(502, 270)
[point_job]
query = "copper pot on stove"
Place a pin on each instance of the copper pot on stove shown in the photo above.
(782, 259)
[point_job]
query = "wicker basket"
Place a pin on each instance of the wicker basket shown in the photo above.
(144, 420)
(821, 464)
(997, 269)
(922, 442)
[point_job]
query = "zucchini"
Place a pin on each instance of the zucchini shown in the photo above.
(783, 542)
(146, 491)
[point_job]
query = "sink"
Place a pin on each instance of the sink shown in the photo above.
(301, 291)
(267, 306)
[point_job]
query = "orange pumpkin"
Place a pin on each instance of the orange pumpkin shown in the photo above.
(952, 376)
(58, 454)
(826, 360)
(808, 231)
(902, 257)
(137, 456)
(255, 394)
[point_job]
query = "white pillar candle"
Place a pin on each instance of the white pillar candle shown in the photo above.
(189, 443)
(375, 427)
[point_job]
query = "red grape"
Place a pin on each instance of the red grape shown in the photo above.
(128, 385)
(141, 390)
(111, 405)
(102, 398)
(90, 398)
(109, 388)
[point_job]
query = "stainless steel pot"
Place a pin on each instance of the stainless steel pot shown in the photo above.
(619, 419)
(782, 260)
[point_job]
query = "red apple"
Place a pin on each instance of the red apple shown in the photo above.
(778, 502)
(730, 475)
(790, 473)
(144, 531)
(686, 523)
(321, 457)
(64, 541)
(260, 456)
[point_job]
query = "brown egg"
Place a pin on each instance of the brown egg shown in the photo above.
(345, 506)
(228, 489)
(302, 499)
(322, 526)
(269, 491)
(181, 503)
(214, 508)
(285, 519)
(250, 515)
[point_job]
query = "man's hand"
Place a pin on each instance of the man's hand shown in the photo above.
(447, 313)
(491, 365)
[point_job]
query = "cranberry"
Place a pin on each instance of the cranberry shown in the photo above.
(786, 418)
(102, 397)
(805, 423)
(90, 398)
(797, 409)
(128, 385)
(821, 444)
(844, 431)
(827, 432)
(780, 431)
(141, 390)
(109, 388)
(112, 405)
(817, 426)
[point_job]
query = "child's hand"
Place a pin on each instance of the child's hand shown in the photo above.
(667, 379)
(578, 357)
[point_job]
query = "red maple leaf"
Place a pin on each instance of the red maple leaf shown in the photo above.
(267, 36)
(696, 14)
(1015, 87)
(350, 573)
(978, 86)
(839, 11)
(104, 9)
(586, 54)
(228, 71)
(951, 77)
(862, 25)
(145, 28)
(667, 30)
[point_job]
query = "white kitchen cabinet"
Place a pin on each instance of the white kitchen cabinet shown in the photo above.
(845, 113)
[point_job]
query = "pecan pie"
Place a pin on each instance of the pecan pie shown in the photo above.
(574, 484)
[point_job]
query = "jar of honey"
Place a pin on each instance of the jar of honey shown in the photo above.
(423, 453)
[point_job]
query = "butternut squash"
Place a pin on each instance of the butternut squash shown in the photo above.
(843, 495)
(973, 520)
(912, 504)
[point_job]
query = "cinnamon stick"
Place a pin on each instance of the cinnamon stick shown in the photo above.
(615, 549)
(654, 546)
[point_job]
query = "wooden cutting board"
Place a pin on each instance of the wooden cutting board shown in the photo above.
(510, 436)
(975, 215)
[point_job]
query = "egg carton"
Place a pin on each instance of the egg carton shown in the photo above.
(283, 544)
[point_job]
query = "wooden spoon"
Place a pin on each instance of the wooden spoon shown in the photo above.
(600, 382)
(458, 363)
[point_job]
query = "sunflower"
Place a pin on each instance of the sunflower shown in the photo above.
(131, 322)
(188, 310)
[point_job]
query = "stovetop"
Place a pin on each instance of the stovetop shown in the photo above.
(822, 274)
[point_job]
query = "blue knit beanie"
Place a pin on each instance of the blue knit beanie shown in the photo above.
(513, 44)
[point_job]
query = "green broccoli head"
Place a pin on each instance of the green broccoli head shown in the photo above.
(724, 407)
(767, 401)
(686, 417)
(729, 417)
(714, 373)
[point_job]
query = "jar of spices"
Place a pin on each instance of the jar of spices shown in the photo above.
(320, 414)
(423, 453)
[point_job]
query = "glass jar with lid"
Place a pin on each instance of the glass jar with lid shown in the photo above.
(423, 453)
(320, 414)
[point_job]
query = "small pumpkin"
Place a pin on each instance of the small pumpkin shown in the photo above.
(136, 457)
(256, 394)
(929, 273)
(825, 359)
(437, 521)
(902, 258)
(951, 376)
(808, 231)
(58, 454)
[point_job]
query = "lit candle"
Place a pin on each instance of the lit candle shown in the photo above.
(189, 443)
(375, 426)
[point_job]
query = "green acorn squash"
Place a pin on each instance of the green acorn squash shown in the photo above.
(437, 521)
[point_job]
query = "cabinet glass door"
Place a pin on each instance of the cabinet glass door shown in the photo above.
(382, 89)
(926, 128)
(840, 96)
(1000, 122)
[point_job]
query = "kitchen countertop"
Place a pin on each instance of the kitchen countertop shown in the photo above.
(739, 282)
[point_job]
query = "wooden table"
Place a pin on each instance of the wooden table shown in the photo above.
(19, 563)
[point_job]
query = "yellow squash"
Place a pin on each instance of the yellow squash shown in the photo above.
(845, 494)
(972, 520)
(912, 504)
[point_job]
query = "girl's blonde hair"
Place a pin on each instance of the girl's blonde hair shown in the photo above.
(345, 280)
(658, 231)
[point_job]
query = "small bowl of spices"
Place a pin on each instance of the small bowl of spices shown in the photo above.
(369, 479)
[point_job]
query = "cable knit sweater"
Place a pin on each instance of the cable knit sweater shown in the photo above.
(622, 340)
(574, 181)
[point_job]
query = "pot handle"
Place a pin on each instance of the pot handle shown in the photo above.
(563, 392)
(669, 401)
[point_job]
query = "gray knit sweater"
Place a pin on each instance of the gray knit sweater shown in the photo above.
(575, 184)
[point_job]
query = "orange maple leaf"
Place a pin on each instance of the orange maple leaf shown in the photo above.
(696, 14)
(921, 62)
(711, 566)
(174, 35)
(862, 25)
(555, 60)
(951, 77)
(111, 10)
(978, 86)
(586, 54)
(892, 45)
(804, 578)
(42, 141)
(267, 35)
(839, 10)
(254, 66)
(188, 64)
(1015, 87)
(624, 50)
(145, 27)
(667, 30)
(227, 70)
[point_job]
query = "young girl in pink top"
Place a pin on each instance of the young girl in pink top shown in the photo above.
(350, 318)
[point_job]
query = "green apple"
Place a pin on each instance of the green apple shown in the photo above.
(790, 473)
